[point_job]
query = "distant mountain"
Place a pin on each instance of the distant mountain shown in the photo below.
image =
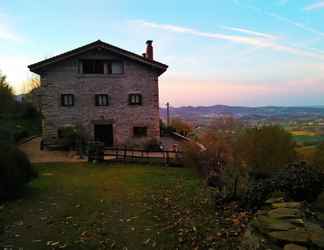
(274, 112)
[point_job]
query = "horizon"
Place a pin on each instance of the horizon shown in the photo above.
(240, 53)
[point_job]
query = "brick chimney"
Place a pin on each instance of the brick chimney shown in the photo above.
(149, 50)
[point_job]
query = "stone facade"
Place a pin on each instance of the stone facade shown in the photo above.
(64, 77)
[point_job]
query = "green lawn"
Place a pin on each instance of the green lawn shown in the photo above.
(81, 206)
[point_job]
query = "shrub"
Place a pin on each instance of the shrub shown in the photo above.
(20, 134)
(300, 182)
(15, 171)
(152, 145)
(193, 157)
(236, 180)
(297, 182)
(181, 126)
(266, 150)
(69, 136)
(258, 192)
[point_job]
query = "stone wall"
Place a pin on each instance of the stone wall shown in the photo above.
(64, 78)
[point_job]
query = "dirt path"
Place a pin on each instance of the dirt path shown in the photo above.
(32, 149)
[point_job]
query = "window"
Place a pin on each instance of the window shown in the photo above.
(140, 131)
(116, 67)
(102, 100)
(60, 133)
(102, 67)
(93, 67)
(67, 100)
(135, 99)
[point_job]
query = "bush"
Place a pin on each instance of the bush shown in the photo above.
(297, 182)
(152, 145)
(15, 171)
(193, 157)
(236, 180)
(258, 192)
(20, 134)
(266, 150)
(69, 136)
(300, 182)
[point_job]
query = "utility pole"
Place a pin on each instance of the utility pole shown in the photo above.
(168, 114)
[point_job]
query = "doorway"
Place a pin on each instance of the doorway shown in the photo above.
(104, 133)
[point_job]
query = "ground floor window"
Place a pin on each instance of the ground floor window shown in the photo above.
(140, 131)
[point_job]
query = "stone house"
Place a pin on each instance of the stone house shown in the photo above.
(110, 94)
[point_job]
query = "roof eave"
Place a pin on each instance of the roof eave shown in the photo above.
(37, 67)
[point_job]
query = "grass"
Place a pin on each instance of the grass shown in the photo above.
(81, 206)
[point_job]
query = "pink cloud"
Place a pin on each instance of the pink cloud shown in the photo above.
(182, 92)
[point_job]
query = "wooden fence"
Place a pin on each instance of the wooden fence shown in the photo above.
(172, 158)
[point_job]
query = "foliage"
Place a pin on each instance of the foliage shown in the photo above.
(17, 119)
(69, 136)
(15, 171)
(226, 124)
(298, 182)
(193, 156)
(236, 180)
(318, 160)
(218, 153)
(265, 149)
(7, 101)
(14, 128)
(31, 84)
(181, 127)
(165, 130)
(152, 145)
(257, 193)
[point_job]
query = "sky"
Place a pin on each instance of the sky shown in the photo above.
(232, 52)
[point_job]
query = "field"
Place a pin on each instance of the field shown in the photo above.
(307, 137)
(81, 206)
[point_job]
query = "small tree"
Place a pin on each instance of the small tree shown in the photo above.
(181, 126)
(265, 150)
(226, 124)
(6, 95)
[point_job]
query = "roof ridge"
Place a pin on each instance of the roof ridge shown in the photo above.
(57, 58)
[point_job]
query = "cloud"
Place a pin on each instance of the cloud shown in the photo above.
(296, 24)
(255, 41)
(250, 32)
(284, 19)
(218, 91)
(15, 68)
(258, 40)
(7, 32)
(315, 6)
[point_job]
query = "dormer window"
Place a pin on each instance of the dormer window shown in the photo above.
(116, 67)
(102, 67)
(93, 67)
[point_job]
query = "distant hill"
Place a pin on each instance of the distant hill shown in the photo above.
(267, 112)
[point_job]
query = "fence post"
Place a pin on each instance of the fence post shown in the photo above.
(167, 153)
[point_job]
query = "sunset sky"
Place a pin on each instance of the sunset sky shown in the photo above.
(234, 52)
